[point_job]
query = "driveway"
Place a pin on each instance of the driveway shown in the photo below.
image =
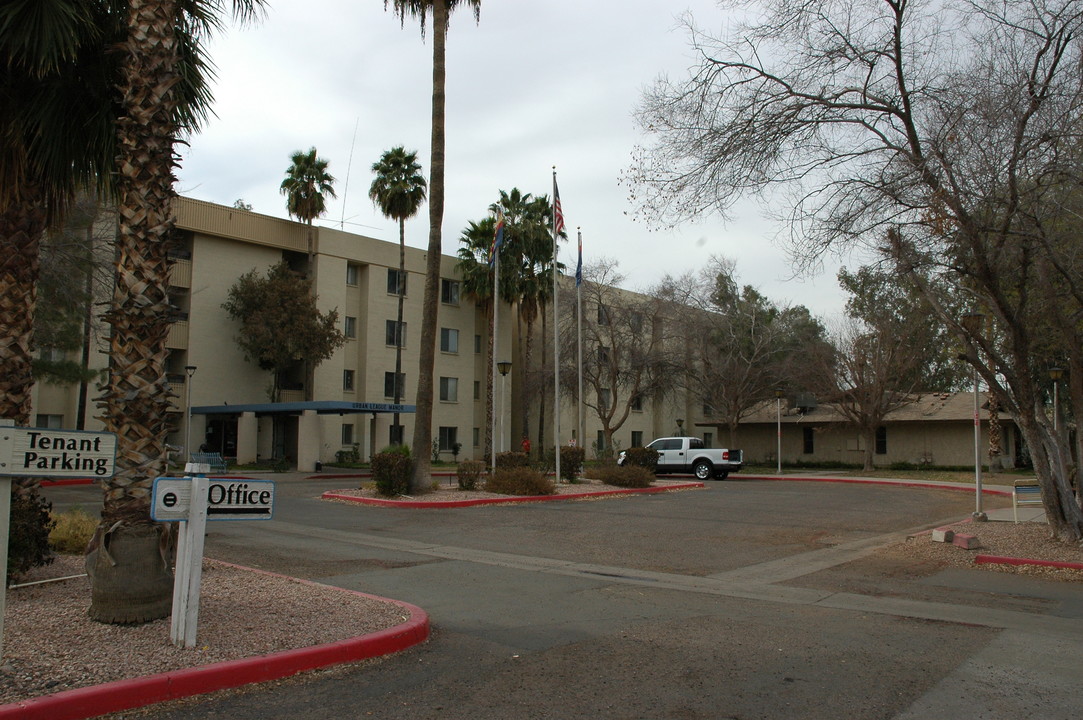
(748, 599)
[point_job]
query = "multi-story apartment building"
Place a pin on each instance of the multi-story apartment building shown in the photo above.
(350, 398)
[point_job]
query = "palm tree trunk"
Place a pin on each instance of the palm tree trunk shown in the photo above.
(21, 230)
(427, 357)
(136, 585)
(398, 320)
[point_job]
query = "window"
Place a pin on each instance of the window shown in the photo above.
(600, 442)
(603, 314)
(881, 440)
(449, 437)
(449, 389)
(808, 441)
(603, 399)
(708, 439)
(54, 422)
(477, 389)
(449, 292)
(389, 384)
(347, 434)
(637, 438)
(637, 404)
(477, 344)
(449, 340)
(395, 334)
(708, 411)
(396, 282)
(394, 434)
(350, 327)
(603, 355)
(352, 274)
(635, 320)
(477, 437)
(347, 380)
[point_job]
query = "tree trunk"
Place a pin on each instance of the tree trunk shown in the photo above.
(489, 388)
(422, 472)
(21, 230)
(136, 400)
(398, 320)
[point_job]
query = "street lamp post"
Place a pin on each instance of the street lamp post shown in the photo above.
(1055, 374)
(972, 322)
(778, 421)
(189, 370)
(504, 367)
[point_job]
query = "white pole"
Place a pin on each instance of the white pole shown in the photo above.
(979, 514)
(496, 336)
(556, 334)
(579, 417)
(189, 370)
(6, 442)
(778, 416)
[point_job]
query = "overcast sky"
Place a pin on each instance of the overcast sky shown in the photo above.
(532, 86)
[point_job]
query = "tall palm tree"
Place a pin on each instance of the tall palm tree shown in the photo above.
(307, 187)
(528, 262)
(477, 278)
(398, 190)
(51, 61)
(441, 11)
(132, 581)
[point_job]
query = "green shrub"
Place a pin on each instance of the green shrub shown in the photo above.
(397, 450)
(351, 456)
(512, 460)
(469, 472)
(391, 472)
(28, 541)
(72, 531)
(641, 457)
(627, 476)
(520, 481)
(571, 463)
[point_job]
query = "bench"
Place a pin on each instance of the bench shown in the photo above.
(1025, 492)
(215, 460)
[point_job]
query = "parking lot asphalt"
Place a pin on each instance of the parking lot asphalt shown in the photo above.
(692, 604)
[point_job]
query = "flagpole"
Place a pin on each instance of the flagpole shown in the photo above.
(495, 259)
(557, 212)
(579, 336)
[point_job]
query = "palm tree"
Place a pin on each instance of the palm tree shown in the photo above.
(477, 278)
(528, 262)
(132, 582)
(441, 11)
(306, 187)
(398, 189)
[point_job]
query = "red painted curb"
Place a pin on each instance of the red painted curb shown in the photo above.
(120, 695)
(999, 560)
(868, 481)
(505, 501)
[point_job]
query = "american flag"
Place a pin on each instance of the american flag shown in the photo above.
(579, 263)
(498, 237)
(558, 214)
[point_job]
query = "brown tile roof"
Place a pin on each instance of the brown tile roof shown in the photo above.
(931, 407)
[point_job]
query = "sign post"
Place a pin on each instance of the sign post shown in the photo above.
(192, 501)
(42, 452)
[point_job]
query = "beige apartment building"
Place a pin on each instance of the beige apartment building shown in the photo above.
(350, 402)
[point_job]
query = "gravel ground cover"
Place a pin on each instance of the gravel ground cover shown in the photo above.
(51, 644)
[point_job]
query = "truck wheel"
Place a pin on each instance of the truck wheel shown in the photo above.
(703, 470)
(721, 474)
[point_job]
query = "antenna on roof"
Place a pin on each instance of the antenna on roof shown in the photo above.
(346, 185)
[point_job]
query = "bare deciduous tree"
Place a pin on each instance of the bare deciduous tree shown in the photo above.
(952, 129)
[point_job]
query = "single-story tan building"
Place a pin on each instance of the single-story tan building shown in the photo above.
(934, 429)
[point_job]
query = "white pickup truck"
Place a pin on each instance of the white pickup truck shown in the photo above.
(688, 455)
